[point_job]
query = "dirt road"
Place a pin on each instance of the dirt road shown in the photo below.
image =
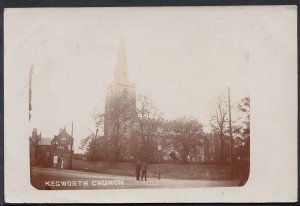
(54, 179)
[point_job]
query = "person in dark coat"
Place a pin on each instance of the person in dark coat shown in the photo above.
(144, 171)
(138, 170)
(49, 159)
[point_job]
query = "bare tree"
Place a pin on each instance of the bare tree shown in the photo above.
(244, 107)
(243, 140)
(91, 144)
(119, 115)
(219, 122)
(244, 128)
(149, 123)
(99, 125)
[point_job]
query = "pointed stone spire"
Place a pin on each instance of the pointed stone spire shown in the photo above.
(121, 73)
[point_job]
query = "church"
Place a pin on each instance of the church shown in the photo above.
(120, 111)
(120, 143)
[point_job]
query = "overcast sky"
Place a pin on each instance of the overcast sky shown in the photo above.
(181, 57)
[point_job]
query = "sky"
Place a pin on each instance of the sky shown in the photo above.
(183, 58)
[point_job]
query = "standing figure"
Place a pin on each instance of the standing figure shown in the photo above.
(49, 159)
(62, 162)
(144, 171)
(58, 162)
(138, 170)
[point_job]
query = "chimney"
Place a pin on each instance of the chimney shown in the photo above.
(35, 135)
(34, 132)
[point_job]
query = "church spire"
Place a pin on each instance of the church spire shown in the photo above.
(121, 73)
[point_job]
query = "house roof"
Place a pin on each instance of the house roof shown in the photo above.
(63, 133)
(45, 141)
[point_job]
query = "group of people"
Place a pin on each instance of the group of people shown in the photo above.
(141, 168)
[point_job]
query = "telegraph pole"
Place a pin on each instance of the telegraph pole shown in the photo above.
(30, 91)
(230, 132)
(72, 145)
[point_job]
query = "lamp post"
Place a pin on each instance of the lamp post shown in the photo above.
(159, 149)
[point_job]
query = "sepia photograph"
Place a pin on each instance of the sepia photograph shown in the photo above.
(130, 106)
(148, 98)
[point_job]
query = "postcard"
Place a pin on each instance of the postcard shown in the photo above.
(150, 104)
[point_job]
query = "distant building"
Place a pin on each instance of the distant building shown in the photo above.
(171, 149)
(215, 148)
(200, 152)
(120, 111)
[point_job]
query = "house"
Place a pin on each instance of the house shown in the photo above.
(40, 149)
(62, 150)
(33, 139)
(44, 151)
(53, 152)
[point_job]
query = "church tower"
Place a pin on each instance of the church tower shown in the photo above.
(120, 111)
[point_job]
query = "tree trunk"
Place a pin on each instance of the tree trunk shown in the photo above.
(222, 148)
